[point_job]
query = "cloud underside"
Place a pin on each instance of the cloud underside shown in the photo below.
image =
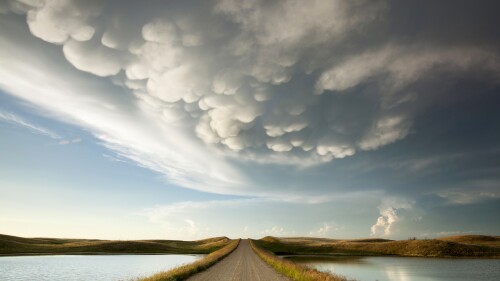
(186, 92)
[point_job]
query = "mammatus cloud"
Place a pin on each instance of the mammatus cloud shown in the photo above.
(196, 91)
(128, 128)
(19, 121)
(389, 216)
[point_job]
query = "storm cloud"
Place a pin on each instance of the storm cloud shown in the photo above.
(328, 97)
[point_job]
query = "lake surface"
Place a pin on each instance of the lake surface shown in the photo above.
(405, 268)
(86, 267)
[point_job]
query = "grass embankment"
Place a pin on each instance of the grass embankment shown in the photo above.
(456, 246)
(185, 271)
(293, 270)
(12, 245)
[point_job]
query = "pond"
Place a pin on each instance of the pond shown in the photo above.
(406, 268)
(87, 267)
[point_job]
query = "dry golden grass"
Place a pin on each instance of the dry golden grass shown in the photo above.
(293, 270)
(482, 240)
(471, 246)
(185, 271)
(12, 245)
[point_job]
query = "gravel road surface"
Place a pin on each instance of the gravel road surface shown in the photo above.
(241, 264)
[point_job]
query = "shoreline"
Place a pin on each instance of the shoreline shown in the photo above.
(328, 256)
(97, 254)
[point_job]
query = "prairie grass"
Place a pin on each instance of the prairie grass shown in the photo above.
(185, 271)
(482, 240)
(466, 246)
(293, 270)
(13, 245)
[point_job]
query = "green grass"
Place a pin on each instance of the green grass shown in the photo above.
(12, 245)
(457, 246)
(291, 269)
(185, 271)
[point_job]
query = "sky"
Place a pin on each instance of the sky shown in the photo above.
(193, 119)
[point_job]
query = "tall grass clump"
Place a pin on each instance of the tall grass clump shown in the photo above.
(185, 271)
(293, 270)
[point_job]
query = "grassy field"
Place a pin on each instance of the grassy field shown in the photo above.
(455, 246)
(480, 240)
(292, 270)
(185, 271)
(12, 245)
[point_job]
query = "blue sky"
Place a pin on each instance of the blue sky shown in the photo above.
(184, 120)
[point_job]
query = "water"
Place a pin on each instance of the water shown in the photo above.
(83, 267)
(406, 269)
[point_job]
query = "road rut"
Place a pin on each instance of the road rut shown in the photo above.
(242, 264)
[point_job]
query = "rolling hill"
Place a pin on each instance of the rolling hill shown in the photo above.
(13, 245)
(454, 246)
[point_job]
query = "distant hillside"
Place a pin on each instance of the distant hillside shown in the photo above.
(456, 246)
(13, 245)
(492, 241)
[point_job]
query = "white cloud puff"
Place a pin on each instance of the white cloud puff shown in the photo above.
(91, 57)
(384, 227)
(56, 21)
(159, 31)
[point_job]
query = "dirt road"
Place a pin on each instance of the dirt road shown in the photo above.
(242, 264)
